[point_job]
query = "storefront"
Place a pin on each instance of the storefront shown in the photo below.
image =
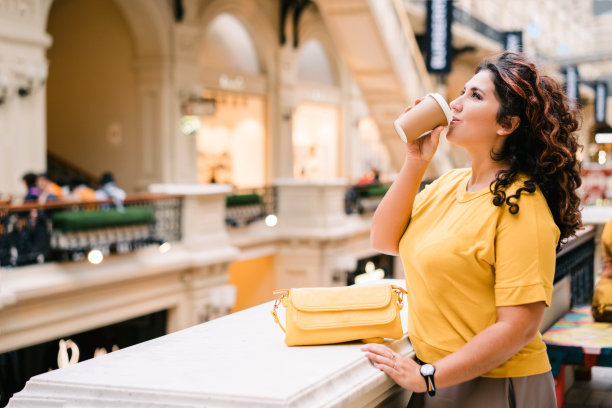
(316, 120)
(232, 140)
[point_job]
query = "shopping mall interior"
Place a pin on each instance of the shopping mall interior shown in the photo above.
(250, 142)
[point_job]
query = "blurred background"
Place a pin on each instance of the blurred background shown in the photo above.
(184, 158)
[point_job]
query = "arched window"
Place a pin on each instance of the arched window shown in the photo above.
(316, 119)
(231, 142)
(314, 65)
(228, 46)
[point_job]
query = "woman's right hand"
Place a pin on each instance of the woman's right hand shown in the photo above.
(424, 147)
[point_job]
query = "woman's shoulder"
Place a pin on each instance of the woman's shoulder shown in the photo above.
(531, 197)
(453, 176)
(523, 181)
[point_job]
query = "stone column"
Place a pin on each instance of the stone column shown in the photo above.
(186, 77)
(319, 242)
(23, 72)
(206, 239)
(282, 151)
(158, 110)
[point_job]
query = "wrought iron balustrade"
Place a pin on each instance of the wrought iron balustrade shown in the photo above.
(246, 206)
(364, 198)
(36, 233)
(576, 260)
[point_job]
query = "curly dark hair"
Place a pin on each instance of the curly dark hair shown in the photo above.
(543, 146)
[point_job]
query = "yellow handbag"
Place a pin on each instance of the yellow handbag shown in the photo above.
(369, 313)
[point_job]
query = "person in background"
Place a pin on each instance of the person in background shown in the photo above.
(32, 191)
(64, 184)
(49, 191)
(110, 191)
(479, 244)
(80, 191)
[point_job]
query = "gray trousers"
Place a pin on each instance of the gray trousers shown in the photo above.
(535, 391)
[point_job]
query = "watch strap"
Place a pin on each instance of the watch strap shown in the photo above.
(431, 388)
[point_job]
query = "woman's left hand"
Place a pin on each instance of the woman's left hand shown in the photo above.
(403, 370)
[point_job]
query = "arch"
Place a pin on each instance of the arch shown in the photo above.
(92, 93)
(228, 46)
(255, 19)
(148, 21)
(314, 65)
(312, 29)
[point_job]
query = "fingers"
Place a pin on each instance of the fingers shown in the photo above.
(416, 102)
(377, 358)
(382, 357)
(436, 132)
(435, 135)
(376, 348)
(391, 372)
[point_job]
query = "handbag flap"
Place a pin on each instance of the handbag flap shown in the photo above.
(341, 298)
(343, 307)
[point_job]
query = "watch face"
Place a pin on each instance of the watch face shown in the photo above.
(427, 369)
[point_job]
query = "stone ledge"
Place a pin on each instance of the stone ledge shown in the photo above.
(240, 359)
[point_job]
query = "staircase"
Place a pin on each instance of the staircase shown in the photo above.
(61, 170)
(378, 45)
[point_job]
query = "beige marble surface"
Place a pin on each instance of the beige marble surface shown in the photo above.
(236, 360)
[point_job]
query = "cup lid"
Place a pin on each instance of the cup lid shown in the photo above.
(444, 105)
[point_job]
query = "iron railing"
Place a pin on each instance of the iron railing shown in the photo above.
(36, 233)
(364, 198)
(576, 260)
(246, 206)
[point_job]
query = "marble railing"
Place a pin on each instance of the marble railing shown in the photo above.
(236, 360)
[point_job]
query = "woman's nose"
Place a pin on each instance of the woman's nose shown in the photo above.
(455, 105)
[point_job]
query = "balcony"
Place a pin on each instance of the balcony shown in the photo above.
(37, 233)
(241, 359)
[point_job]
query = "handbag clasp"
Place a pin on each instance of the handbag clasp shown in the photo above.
(400, 294)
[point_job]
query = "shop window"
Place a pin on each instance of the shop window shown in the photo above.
(374, 154)
(231, 142)
(315, 142)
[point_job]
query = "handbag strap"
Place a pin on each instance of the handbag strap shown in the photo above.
(277, 303)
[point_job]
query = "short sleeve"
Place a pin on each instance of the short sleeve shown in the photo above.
(422, 196)
(525, 252)
(606, 240)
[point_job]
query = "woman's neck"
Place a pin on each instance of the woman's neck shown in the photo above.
(483, 173)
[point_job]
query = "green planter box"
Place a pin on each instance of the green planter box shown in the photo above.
(87, 220)
(374, 191)
(236, 200)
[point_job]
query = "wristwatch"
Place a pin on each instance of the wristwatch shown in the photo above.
(427, 371)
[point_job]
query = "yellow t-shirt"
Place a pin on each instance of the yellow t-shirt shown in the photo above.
(463, 257)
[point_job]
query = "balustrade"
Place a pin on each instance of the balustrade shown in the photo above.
(37, 233)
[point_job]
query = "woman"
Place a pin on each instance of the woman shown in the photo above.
(478, 245)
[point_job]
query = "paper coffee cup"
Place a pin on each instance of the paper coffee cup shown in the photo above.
(431, 112)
